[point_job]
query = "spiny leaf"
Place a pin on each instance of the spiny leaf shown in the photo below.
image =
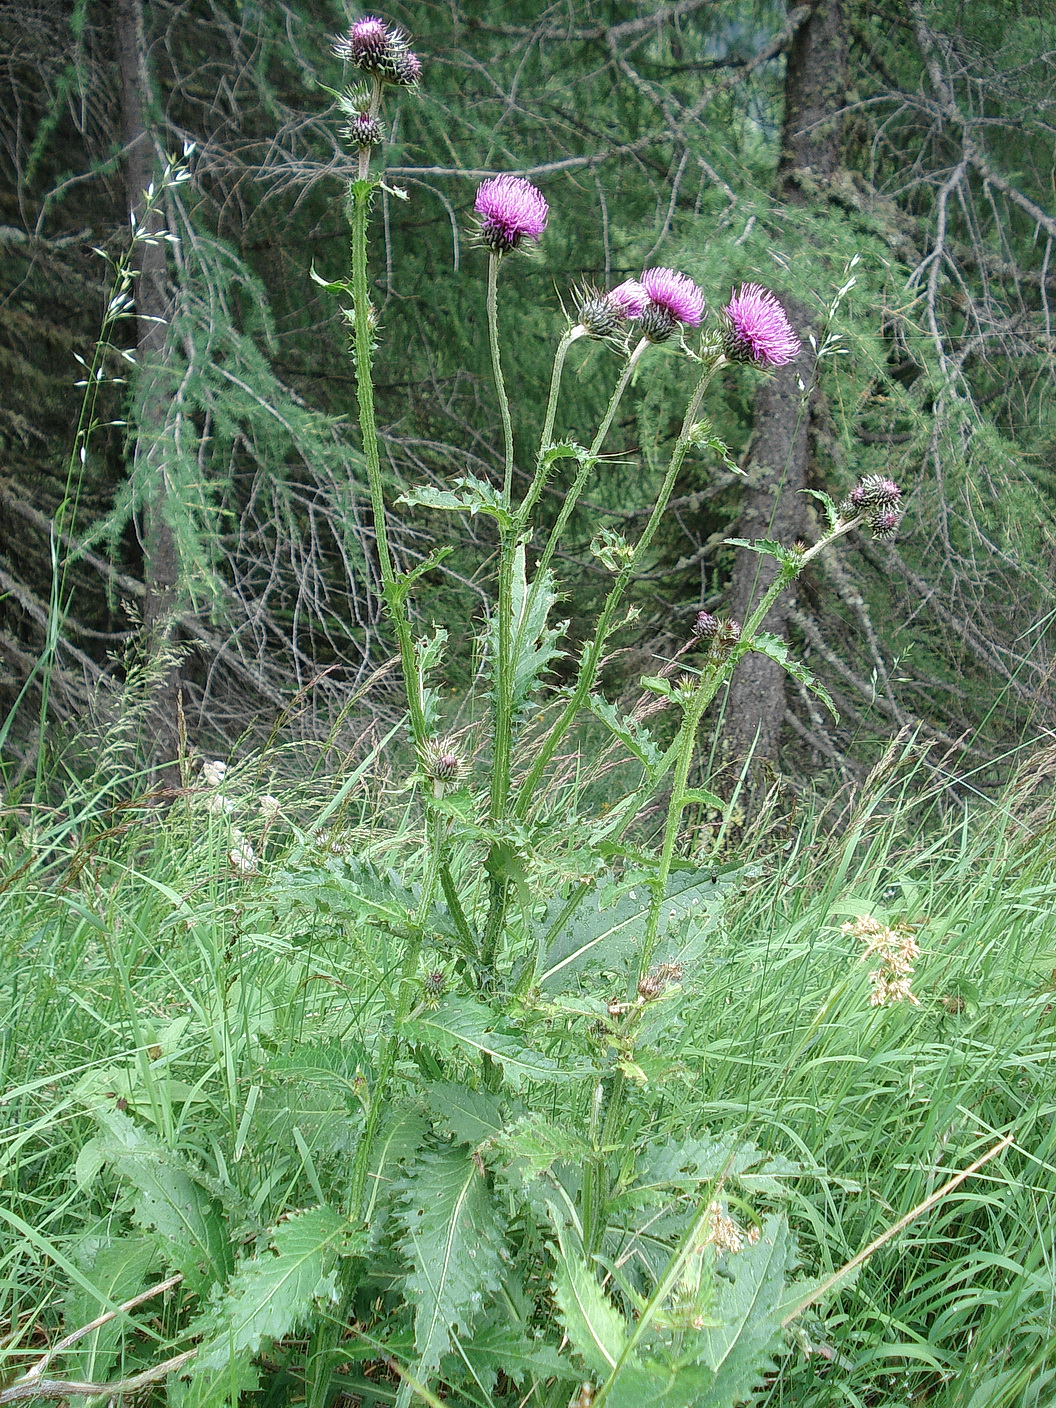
(597, 936)
(748, 1305)
(455, 1243)
(495, 1348)
(534, 642)
(469, 1028)
(476, 496)
(472, 1116)
(594, 1325)
(636, 739)
(778, 651)
(167, 1198)
(684, 1164)
(272, 1294)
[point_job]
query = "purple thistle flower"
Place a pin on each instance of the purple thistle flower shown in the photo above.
(628, 299)
(674, 294)
(875, 491)
(511, 210)
(757, 329)
(406, 70)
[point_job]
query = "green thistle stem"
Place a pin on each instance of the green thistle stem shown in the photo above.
(591, 660)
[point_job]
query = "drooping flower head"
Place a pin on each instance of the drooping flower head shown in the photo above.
(757, 329)
(603, 314)
(674, 300)
(379, 49)
(512, 210)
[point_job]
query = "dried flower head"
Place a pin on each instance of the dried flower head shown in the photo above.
(897, 951)
(213, 773)
(705, 626)
(512, 210)
(757, 329)
(659, 978)
(241, 855)
(723, 1233)
(674, 300)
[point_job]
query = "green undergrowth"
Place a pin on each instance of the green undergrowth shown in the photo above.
(189, 1051)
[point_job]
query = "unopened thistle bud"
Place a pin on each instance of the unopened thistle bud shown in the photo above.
(442, 761)
(705, 626)
(726, 637)
(884, 522)
(435, 983)
(406, 70)
(364, 131)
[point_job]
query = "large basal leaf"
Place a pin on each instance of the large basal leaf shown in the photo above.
(454, 1240)
(274, 1293)
(471, 1116)
(167, 1199)
(118, 1266)
(400, 1139)
(515, 1353)
(463, 1026)
(749, 1304)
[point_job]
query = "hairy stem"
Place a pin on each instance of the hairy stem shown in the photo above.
(496, 371)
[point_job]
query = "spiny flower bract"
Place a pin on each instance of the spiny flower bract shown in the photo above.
(511, 210)
(757, 329)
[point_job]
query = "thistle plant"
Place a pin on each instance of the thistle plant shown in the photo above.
(516, 1223)
(510, 975)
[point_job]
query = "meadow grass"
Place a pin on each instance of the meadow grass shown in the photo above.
(214, 1009)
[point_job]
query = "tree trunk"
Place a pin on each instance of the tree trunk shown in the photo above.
(774, 506)
(161, 565)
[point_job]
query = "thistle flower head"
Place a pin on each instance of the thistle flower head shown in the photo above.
(435, 983)
(675, 295)
(442, 761)
(602, 314)
(874, 491)
(705, 626)
(884, 522)
(628, 298)
(757, 329)
(364, 131)
(511, 210)
(727, 636)
(379, 49)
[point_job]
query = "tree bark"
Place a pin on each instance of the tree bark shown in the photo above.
(774, 505)
(161, 566)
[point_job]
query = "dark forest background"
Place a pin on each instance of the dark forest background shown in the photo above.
(204, 540)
